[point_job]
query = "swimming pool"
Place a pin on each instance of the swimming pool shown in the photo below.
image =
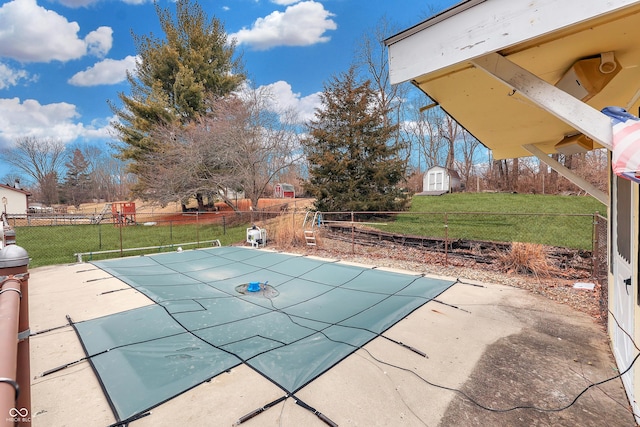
(305, 316)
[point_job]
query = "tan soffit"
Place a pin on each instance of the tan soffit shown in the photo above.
(504, 120)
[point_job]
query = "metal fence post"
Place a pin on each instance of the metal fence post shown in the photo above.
(120, 230)
(594, 247)
(353, 235)
(446, 240)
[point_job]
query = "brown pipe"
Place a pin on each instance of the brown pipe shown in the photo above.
(14, 262)
(9, 319)
(24, 363)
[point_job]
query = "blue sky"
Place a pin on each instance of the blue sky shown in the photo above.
(62, 60)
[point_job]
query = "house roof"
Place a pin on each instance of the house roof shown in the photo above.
(17, 190)
(543, 38)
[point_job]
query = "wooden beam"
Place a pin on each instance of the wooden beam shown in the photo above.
(567, 173)
(473, 28)
(570, 110)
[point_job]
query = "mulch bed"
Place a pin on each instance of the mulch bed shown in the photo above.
(558, 287)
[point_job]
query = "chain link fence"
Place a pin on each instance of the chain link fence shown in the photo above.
(574, 231)
(482, 237)
(61, 238)
(600, 264)
(579, 241)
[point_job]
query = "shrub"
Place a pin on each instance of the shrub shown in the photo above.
(287, 231)
(526, 258)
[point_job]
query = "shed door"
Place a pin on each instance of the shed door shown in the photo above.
(622, 213)
(436, 181)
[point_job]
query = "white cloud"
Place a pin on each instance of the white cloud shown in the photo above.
(77, 3)
(74, 4)
(55, 121)
(302, 24)
(11, 77)
(31, 33)
(99, 42)
(106, 72)
(284, 2)
(136, 2)
(285, 98)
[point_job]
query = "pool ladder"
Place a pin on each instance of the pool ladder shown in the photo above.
(310, 227)
(105, 210)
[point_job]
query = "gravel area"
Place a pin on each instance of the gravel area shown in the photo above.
(558, 289)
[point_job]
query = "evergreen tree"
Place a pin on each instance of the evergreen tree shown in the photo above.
(77, 183)
(174, 79)
(354, 163)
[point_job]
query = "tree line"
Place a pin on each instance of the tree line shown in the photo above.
(191, 127)
(59, 174)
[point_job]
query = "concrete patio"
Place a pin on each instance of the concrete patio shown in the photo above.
(488, 348)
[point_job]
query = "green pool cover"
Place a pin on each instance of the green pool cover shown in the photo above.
(308, 315)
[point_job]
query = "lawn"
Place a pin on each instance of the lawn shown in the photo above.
(508, 203)
(564, 221)
(48, 245)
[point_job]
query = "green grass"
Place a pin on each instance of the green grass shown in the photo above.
(564, 221)
(49, 245)
(507, 203)
(552, 220)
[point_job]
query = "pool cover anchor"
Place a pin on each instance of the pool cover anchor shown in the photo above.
(125, 423)
(317, 413)
(255, 412)
(55, 328)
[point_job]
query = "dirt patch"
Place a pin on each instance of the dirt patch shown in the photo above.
(143, 207)
(172, 213)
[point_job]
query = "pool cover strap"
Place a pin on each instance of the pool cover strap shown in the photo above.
(316, 413)
(255, 412)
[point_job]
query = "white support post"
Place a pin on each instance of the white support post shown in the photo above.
(570, 110)
(567, 173)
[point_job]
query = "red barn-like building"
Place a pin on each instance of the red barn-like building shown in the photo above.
(284, 191)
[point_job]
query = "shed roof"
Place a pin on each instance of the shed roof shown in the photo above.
(286, 187)
(451, 172)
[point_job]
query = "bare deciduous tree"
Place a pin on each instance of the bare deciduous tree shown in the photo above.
(241, 144)
(109, 179)
(424, 131)
(449, 130)
(269, 145)
(372, 61)
(41, 160)
(468, 147)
